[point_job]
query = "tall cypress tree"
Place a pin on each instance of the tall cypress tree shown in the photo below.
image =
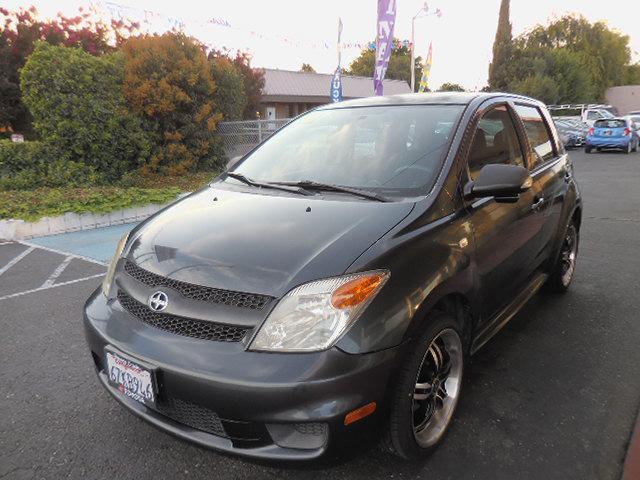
(502, 48)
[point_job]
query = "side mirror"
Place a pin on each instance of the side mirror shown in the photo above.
(503, 182)
(231, 163)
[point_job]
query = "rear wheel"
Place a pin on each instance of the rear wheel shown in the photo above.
(628, 149)
(426, 394)
(565, 267)
(587, 149)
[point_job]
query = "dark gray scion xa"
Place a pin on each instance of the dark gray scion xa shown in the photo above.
(333, 282)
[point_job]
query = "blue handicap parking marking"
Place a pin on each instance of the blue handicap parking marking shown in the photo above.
(98, 244)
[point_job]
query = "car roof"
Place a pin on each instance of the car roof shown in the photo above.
(624, 119)
(439, 98)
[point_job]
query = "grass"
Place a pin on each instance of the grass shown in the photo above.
(31, 205)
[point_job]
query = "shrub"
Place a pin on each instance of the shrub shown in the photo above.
(230, 98)
(168, 82)
(35, 164)
(79, 111)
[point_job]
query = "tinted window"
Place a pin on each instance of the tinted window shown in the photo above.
(537, 132)
(494, 141)
(591, 115)
(393, 150)
(610, 124)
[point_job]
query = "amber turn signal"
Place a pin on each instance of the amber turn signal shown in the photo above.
(356, 291)
(359, 413)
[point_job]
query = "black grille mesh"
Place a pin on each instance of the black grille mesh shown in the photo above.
(314, 429)
(198, 292)
(194, 416)
(188, 327)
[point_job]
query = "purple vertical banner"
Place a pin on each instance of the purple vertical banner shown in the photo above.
(384, 41)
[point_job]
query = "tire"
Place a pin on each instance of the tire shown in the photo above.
(417, 377)
(587, 149)
(563, 271)
(628, 149)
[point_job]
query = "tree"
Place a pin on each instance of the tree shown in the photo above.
(502, 46)
(451, 87)
(168, 82)
(253, 84)
(230, 98)
(632, 75)
(399, 64)
(583, 58)
(539, 86)
(18, 35)
(79, 110)
(307, 68)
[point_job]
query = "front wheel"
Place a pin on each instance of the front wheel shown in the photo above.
(426, 394)
(565, 267)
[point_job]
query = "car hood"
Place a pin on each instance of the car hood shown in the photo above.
(263, 243)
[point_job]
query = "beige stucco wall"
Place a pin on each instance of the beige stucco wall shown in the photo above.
(625, 99)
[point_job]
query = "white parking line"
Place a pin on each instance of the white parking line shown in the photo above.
(49, 288)
(56, 273)
(5, 243)
(81, 257)
(16, 260)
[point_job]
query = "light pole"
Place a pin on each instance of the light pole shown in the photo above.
(424, 9)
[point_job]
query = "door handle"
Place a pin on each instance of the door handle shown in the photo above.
(537, 204)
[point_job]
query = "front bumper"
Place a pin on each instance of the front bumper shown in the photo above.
(218, 395)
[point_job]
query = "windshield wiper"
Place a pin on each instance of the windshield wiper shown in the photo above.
(327, 187)
(275, 186)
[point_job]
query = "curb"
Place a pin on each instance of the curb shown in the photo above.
(73, 222)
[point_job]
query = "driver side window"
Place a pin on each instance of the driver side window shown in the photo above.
(494, 141)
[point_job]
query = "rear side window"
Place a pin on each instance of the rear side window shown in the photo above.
(494, 141)
(537, 132)
(610, 124)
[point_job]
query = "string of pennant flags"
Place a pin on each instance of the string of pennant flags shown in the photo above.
(147, 17)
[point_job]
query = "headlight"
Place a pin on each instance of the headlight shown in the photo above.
(314, 316)
(108, 278)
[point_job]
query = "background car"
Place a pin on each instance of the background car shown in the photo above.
(635, 118)
(573, 132)
(613, 133)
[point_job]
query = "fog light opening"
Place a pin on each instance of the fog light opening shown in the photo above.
(359, 413)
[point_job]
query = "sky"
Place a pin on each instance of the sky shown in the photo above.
(285, 33)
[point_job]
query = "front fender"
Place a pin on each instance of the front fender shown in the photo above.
(426, 262)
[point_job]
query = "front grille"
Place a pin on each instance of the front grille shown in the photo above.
(192, 415)
(198, 292)
(188, 327)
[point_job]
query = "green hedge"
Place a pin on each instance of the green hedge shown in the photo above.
(30, 205)
(78, 107)
(37, 164)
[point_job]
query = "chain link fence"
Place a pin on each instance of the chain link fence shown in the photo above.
(241, 136)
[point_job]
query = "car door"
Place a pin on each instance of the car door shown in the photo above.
(504, 233)
(550, 169)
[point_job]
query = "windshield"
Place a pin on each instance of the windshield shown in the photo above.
(392, 150)
(610, 124)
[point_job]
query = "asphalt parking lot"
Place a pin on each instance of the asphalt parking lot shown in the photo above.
(555, 395)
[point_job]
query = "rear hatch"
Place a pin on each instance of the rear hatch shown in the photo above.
(609, 128)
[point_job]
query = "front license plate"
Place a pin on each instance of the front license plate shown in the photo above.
(132, 379)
